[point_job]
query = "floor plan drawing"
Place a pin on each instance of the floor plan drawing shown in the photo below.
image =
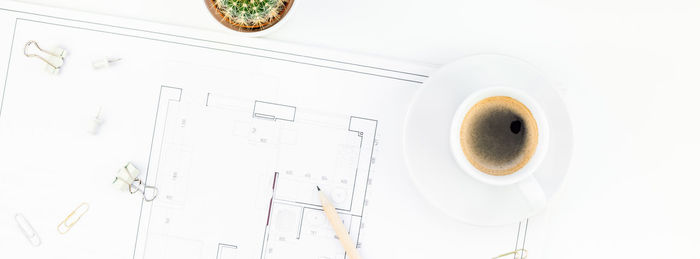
(268, 159)
(235, 134)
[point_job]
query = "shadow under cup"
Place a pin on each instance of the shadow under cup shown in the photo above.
(498, 135)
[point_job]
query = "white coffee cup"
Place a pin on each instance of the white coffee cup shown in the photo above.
(523, 177)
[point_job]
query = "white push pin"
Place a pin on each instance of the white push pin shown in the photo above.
(103, 63)
(96, 122)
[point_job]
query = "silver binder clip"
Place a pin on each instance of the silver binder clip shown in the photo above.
(27, 229)
(127, 180)
(53, 59)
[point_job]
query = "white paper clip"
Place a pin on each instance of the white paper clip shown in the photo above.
(127, 180)
(96, 122)
(27, 229)
(103, 63)
(53, 59)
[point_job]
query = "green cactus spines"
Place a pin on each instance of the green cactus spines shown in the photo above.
(251, 13)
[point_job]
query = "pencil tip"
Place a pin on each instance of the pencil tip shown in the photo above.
(318, 188)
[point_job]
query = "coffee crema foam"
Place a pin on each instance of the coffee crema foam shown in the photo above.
(498, 135)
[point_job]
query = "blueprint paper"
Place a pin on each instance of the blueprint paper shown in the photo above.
(235, 133)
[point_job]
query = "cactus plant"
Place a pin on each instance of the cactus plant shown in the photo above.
(249, 15)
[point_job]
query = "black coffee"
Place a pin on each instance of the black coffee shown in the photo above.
(498, 135)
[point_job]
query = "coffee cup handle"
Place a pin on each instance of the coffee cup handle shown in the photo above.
(533, 192)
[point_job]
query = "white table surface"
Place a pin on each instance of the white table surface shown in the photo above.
(629, 71)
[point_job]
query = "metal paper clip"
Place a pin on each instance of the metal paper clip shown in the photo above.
(54, 60)
(27, 229)
(127, 179)
(519, 254)
(72, 218)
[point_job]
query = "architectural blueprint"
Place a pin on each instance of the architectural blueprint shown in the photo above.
(235, 133)
(256, 164)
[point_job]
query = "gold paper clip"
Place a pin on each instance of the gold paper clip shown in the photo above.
(54, 60)
(519, 254)
(27, 229)
(72, 218)
(127, 179)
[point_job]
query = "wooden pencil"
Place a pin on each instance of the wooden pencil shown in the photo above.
(338, 227)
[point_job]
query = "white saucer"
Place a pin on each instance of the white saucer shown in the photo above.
(426, 142)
